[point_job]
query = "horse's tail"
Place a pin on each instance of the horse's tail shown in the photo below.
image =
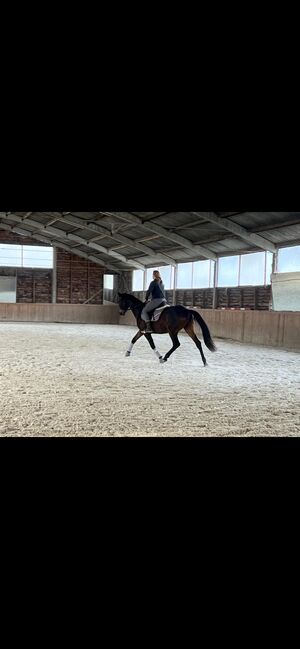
(205, 330)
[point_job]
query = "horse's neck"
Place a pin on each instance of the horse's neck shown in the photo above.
(136, 310)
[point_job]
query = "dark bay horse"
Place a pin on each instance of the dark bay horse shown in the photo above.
(171, 321)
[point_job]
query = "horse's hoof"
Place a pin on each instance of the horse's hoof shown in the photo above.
(127, 354)
(162, 360)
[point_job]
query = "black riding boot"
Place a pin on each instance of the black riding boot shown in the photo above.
(148, 328)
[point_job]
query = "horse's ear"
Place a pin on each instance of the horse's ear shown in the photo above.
(120, 294)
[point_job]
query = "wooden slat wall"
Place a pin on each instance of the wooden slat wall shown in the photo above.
(242, 297)
(34, 285)
(78, 280)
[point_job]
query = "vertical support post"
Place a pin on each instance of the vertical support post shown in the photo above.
(71, 285)
(175, 284)
(275, 262)
(54, 277)
(16, 285)
(215, 295)
(274, 270)
(144, 284)
(192, 283)
(265, 270)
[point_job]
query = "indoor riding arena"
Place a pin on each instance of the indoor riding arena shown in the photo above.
(68, 367)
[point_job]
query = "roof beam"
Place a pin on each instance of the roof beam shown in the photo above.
(58, 244)
(261, 228)
(58, 232)
(167, 234)
(102, 229)
(236, 229)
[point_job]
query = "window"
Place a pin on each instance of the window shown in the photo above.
(185, 275)
(26, 256)
(37, 257)
(289, 260)
(201, 274)
(252, 269)
(10, 255)
(138, 280)
(149, 273)
(8, 292)
(167, 275)
(109, 281)
(228, 271)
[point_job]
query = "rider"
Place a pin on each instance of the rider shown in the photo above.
(157, 292)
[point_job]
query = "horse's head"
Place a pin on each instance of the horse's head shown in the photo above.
(124, 303)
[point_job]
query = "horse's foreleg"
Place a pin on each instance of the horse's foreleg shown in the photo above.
(134, 340)
(152, 345)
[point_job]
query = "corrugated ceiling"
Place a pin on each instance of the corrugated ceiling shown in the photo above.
(128, 240)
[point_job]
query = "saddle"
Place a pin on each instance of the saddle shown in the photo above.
(156, 313)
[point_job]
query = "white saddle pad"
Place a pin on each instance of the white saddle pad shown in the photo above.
(158, 312)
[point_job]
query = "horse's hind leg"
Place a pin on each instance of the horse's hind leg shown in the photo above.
(190, 331)
(176, 344)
